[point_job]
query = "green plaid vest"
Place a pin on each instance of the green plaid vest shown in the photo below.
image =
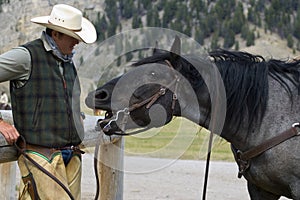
(46, 109)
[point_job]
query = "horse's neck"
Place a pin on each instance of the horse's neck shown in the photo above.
(195, 108)
(280, 115)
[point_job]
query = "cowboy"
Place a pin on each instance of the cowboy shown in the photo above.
(45, 98)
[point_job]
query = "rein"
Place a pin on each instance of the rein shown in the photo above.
(243, 158)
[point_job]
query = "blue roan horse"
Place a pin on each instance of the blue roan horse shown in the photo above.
(262, 101)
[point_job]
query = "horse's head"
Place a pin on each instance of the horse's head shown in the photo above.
(150, 94)
(231, 91)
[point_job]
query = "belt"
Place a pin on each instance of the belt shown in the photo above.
(47, 151)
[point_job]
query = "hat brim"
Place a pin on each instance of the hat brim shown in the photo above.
(87, 34)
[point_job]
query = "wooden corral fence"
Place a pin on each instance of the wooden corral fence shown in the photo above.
(110, 161)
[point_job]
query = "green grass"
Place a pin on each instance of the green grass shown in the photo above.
(179, 139)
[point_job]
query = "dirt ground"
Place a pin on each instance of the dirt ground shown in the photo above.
(159, 179)
(165, 179)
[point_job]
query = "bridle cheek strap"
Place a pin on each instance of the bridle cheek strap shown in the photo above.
(154, 98)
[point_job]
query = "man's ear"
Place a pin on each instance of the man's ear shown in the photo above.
(56, 34)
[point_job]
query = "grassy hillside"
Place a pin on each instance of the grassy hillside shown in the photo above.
(179, 139)
(218, 23)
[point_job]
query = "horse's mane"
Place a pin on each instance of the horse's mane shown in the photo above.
(246, 84)
(245, 79)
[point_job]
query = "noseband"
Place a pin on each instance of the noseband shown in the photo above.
(124, 113)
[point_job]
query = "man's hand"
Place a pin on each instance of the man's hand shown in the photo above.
(9, 132)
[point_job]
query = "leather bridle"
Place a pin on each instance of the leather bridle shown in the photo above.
(125, 112)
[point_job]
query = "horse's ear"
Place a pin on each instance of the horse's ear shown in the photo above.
(175, 53)
(176, 47)
(155, 50)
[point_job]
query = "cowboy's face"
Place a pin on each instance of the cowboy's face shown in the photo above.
(64, 42)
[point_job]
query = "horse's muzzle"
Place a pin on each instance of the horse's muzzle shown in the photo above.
(106, 125)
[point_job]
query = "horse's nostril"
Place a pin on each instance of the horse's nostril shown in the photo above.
(101, 95)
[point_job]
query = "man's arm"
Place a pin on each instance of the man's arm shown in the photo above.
(9, 132)
(15, 65)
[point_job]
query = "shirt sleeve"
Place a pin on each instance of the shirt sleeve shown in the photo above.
(15, 65)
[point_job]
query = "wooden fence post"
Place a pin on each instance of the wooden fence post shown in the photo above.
(7, 170)
(8, 181)
(111, 165)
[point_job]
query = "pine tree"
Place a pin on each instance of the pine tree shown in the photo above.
(229, 39)
(101, 27)
(169, 13)
(250, 38)
(136, 21)
(297, 25)
(290, 41)
(215, 41)
(199, 36)
(238, 19)
(153, 17)
(129, 9)
(237, 45)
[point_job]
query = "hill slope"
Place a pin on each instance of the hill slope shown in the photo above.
(16, 28)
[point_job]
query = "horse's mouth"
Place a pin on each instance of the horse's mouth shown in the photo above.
(107, 125)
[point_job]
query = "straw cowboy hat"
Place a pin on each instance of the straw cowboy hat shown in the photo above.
(68, 20)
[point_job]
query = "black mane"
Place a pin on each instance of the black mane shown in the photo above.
(245, 78)
(246, 81)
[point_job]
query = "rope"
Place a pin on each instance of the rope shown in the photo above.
(207, 165)
(97, 147)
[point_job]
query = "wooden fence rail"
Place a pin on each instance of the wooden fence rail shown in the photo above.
(110, 161)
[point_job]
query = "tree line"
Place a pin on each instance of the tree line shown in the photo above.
(220, 21)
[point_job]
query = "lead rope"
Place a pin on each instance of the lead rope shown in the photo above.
(207, 165)
(96, 168)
